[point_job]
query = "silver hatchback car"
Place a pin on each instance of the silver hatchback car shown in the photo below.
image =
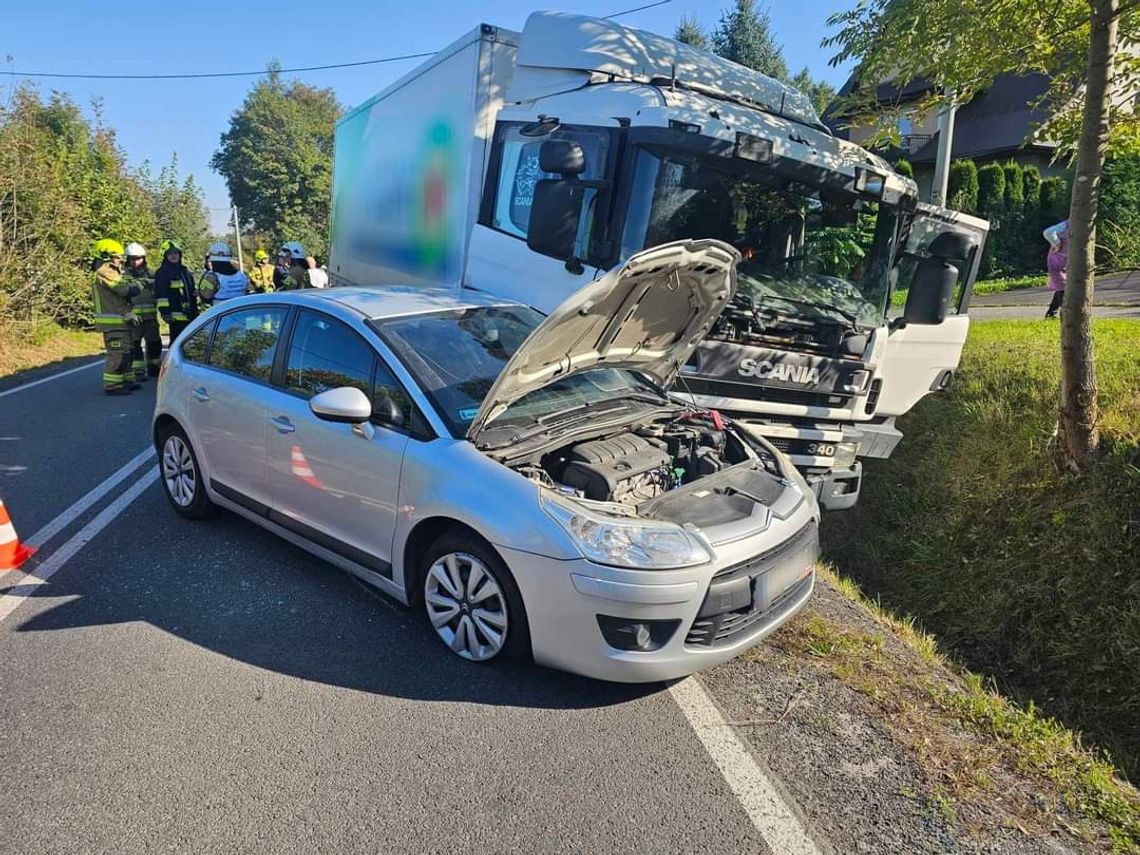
(526, 481)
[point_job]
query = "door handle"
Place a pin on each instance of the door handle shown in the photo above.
(283, 424)
(201, 394)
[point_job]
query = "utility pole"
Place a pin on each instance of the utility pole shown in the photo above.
(941, 183)
(237, 237)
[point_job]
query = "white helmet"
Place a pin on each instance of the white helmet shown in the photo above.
(221, 252)
(294, 250)
(135, 250)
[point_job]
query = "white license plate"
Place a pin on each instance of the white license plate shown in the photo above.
(768, 586)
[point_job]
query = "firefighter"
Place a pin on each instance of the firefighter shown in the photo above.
(114, 316)
(298, 275)
(261, 274)
(281, 269)
(224, 280)
(137, 273)
(175, 294)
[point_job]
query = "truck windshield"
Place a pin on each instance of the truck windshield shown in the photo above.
(806, 249)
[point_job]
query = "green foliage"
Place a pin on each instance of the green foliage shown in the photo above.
(744, 35)
(689, 32)
(1014, 187)
(903, 167)
(820, 92)
(962, 187)
(1118, 233)
(991, 189)
(1031, 188)
(276, 159)
(963, 53)
(65, 183)
(1054, 200)
(1026, 573)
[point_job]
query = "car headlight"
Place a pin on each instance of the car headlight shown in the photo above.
(625, 542)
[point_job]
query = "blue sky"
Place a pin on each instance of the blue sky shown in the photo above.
(154, 119)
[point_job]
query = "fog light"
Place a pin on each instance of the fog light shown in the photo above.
(845, 454)
(642, 635)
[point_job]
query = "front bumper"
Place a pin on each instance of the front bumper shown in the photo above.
(720, 609)
(837, 489)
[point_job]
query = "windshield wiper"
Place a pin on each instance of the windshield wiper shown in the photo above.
(827, 307)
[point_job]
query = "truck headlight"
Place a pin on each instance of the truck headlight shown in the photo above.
(620, 542)
(845, 454)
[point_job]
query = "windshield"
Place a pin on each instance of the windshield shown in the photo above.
(826, 251)
(455, 356)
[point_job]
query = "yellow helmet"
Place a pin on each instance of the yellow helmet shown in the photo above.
(108, 248)
(168, 245)
(261, 255)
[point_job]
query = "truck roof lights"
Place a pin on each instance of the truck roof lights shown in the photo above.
(687, 127)
(869, 182)
(753, 148)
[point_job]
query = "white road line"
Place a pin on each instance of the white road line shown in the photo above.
(11, 599)
(81, 505)
(773, 818)
(49, 379)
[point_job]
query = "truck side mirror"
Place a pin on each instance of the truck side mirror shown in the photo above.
(557, 204)
(554, 216)
(932, 288)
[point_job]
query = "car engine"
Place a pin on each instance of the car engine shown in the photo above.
(643, 462)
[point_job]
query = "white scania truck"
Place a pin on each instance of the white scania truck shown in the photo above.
(527, 164)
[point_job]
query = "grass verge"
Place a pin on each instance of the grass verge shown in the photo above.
(989, 286)
(32, 345)
(1030, 576)
(977, 748)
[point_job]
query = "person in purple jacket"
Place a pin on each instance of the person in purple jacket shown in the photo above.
(1057, 263)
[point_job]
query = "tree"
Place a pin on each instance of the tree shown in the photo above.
(1076, 43)
(276, 159)
(689, 32)
(179, 209)
(744, 35)
(903, 167)
(820, 92)
(962, 186)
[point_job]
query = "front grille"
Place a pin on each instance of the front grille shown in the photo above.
(724, 629)
(714, 630)
(781, 443)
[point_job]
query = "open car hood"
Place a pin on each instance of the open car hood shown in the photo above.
(648, 316)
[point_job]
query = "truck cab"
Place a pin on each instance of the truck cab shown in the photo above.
(595, 141)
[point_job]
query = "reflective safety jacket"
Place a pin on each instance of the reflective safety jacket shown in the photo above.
(261, 278)
(219, 287)
(143, 302)
(174, 292)
(111, 293)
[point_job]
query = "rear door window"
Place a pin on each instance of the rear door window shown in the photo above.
(325, 354)
(246, 341)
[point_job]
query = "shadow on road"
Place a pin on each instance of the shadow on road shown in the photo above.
(238, 591)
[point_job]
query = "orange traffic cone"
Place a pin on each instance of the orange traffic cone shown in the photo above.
(12, 552)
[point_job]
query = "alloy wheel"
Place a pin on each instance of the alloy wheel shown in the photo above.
(178, 471)
(466, 606)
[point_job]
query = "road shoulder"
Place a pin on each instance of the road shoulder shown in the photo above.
(888, 747)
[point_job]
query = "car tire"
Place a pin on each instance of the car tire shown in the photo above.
(471, 600)
(181, 476)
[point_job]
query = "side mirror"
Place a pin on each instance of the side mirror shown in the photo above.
(345, 405)
(554, 215)
(932, 288)
(389, 412)
(562, 157)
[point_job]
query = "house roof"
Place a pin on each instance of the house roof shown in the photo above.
(997, 120)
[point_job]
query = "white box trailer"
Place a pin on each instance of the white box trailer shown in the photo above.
(427, 138)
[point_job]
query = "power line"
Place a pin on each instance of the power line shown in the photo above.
(637, 9)
(216, 74)
(196, 76)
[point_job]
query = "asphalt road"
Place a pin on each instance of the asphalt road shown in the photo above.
(208, 687)
(1116, 295)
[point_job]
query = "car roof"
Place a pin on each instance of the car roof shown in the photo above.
(391, 301)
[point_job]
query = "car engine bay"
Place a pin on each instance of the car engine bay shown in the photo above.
(642, 462)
